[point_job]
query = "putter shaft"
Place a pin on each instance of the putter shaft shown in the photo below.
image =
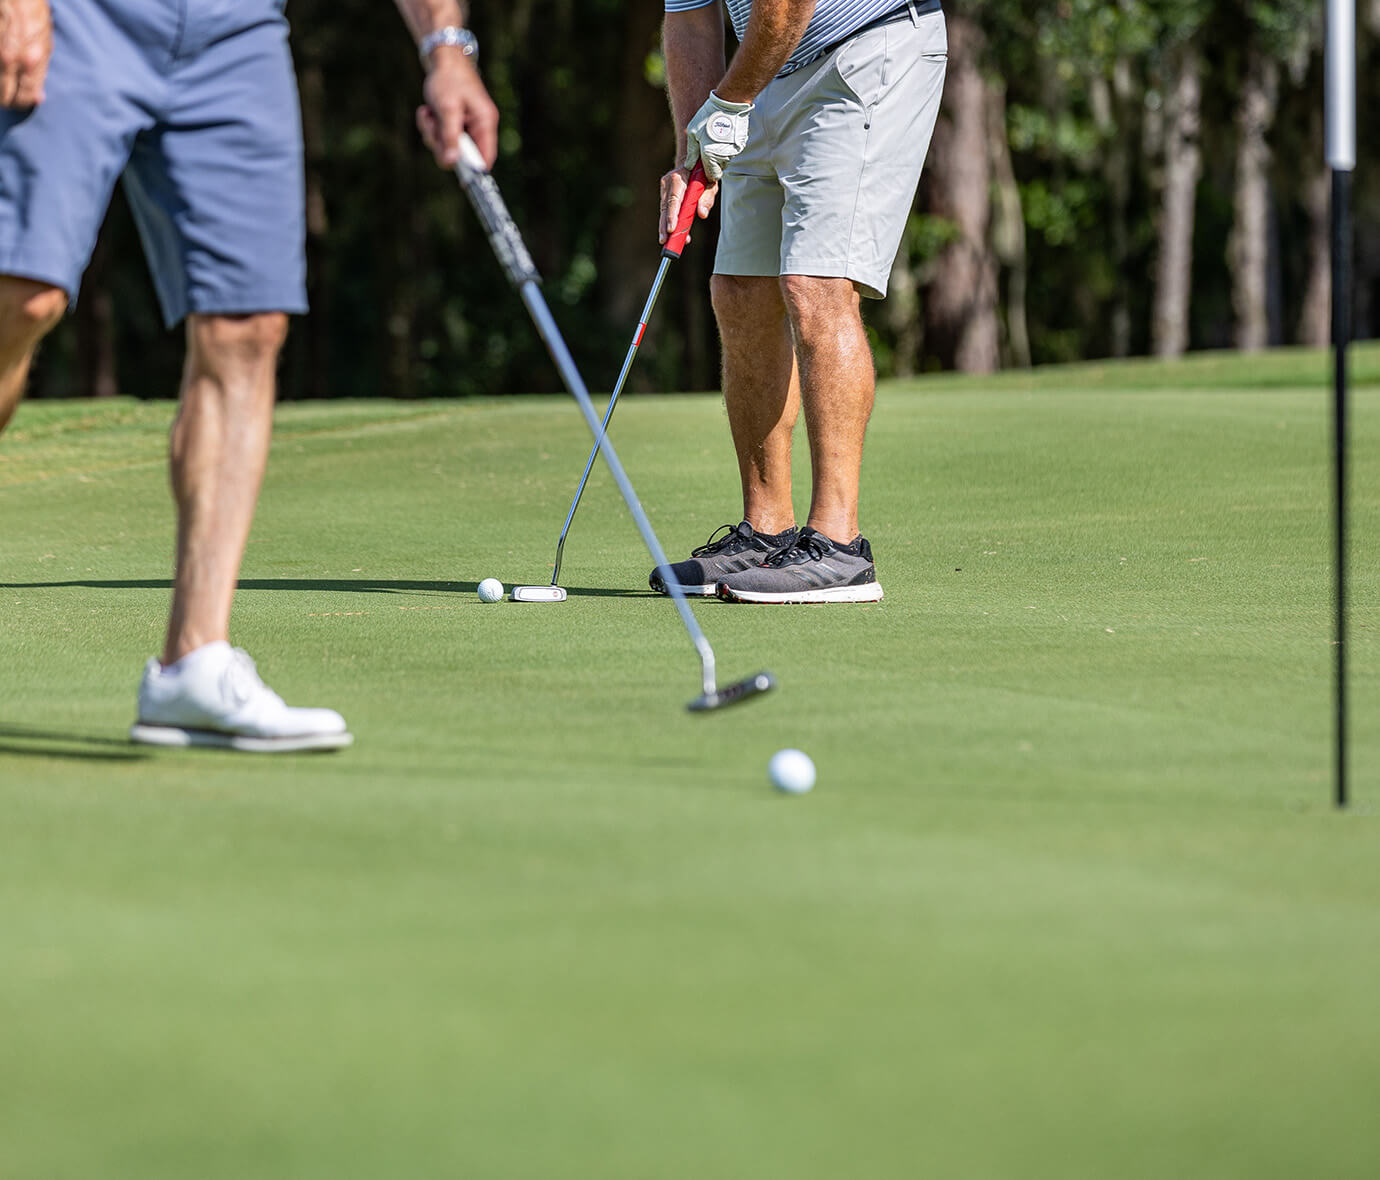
(672, 249)
(565, 363)
(512, 253)
(608, 413)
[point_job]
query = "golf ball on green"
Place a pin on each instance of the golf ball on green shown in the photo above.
(490, 590)
(791, 771)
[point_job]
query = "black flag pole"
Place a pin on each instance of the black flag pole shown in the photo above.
(1341, 159)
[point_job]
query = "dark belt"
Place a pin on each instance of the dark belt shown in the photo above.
(920, 8)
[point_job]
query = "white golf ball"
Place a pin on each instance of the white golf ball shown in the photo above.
(490, 590)
(791, 771)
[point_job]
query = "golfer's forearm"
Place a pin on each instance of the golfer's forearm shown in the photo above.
(773, 32)
(693, 45)
(426, 16)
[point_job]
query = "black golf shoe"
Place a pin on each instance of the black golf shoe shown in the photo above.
(812, 568)
(730, 549)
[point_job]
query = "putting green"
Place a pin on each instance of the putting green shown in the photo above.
(1067, 901)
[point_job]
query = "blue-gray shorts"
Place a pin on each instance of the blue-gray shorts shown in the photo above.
(195, 102)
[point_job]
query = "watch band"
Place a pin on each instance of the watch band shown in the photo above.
(462, 39)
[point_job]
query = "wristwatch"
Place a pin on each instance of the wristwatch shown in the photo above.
(462, 39)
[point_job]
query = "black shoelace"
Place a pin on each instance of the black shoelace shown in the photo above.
(732, 542)
(808, 546)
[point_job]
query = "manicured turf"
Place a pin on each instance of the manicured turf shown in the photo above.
(1068, 900)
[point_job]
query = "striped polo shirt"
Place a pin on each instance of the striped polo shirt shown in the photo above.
(832, 22)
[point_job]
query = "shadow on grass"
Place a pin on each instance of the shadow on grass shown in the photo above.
(47, 743)
(335, 585)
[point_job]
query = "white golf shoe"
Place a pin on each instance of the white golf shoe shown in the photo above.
(214, 697)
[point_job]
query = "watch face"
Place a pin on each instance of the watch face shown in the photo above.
(720, 128)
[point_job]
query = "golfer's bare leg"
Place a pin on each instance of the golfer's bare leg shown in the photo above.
(761, 394)
(837, 388)
(28, 312)
(219, 450)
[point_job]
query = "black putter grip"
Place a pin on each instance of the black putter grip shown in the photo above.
(493, 214)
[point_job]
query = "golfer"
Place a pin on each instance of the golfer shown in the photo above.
(815, 135)
(194, 103)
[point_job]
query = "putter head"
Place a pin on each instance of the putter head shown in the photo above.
(538, 594)
(732, 694)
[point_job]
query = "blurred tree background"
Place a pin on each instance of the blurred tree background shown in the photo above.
(1108, 178)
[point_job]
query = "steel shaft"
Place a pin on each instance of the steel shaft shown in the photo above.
(570, 375)
(608, 413)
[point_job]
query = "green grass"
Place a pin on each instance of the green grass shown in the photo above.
(1068, 900)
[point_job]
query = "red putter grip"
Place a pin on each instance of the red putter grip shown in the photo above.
(689, 207)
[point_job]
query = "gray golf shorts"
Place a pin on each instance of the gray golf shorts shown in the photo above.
(195, 103)
(834, 153)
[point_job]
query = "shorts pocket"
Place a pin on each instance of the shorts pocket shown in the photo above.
(935, 31)
(861, 65)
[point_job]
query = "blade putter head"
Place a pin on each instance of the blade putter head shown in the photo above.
(538, 594)
(733, 694)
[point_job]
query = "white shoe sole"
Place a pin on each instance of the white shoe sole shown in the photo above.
(708, 590)
(868, 592)
(171, 735)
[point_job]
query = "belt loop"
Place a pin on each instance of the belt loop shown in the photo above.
(914, 16)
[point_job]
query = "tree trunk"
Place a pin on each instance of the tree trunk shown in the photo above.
(312, 370)
(1111, 113)
(1367, 262)
(399, 320)
(643, 150)
(1183, 165)
(703, 357)
(1008, 226)
(95, 328)
(961, 302)
(1248, 250)
(901, 313)
(1315, 318)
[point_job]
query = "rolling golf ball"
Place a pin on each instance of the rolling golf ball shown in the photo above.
(791, 771)
(490, 590)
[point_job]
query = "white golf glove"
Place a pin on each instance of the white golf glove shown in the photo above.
(717, 133)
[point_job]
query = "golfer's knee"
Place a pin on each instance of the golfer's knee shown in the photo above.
(229, 342)
(28, 310)
(741, 299)
(810, 300)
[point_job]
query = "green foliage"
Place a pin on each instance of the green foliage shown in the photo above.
(1053, 134)
(408, 302)
(926, 236)
(1059, 215)
(1282, 25)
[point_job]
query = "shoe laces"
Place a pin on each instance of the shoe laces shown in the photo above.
(734, 540)
(807, 546)
(241, 680)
